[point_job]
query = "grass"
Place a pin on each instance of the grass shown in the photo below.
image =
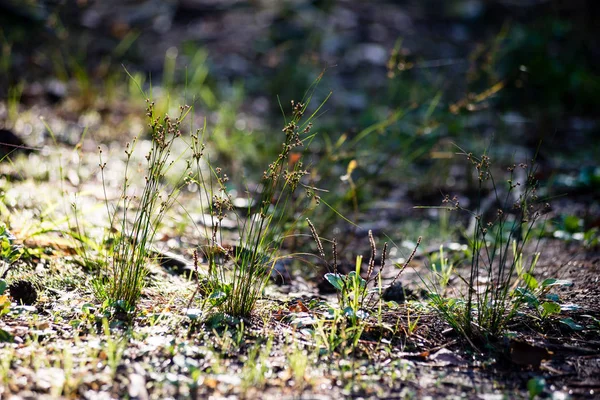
(139, 216)
(501, 234)
(238, 274)
(355, 293)
(442, 270)
(256, 368)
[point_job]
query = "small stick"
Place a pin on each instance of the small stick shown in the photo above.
(313, 231)
(373, 254)
(407, 261)
(334, 250)
(383, 257)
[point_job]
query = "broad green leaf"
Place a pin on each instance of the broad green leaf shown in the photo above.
(553, 297)
(360, 314)
(572, 324)
(75, 323)
(123, 305)
(528, 296)
(556, 282)
(336, 280)
(530, 281)
(3, 286)
(217, 298)
(5, 337)
(349, 312)
(221, 320)
(550, 308)
(354, 277)
(217, 295)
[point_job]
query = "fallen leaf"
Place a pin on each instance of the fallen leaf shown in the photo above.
(279, 314)
(57, 243)
(210, 383)
(299, 307)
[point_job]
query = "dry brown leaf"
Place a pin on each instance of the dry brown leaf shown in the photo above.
(298, 307)
(54, 242)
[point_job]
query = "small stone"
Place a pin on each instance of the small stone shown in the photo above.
(137, 387)
(280, 273)
(395, 292)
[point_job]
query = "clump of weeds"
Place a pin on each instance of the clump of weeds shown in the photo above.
(237, 274)
(497, 246)
(134, 221)
(360, 297)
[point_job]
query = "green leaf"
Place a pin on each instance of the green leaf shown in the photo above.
(3, 286)
(572, 324)
(530, 281)
(349, 312)
(536, 386)
(75, 323)
(5, 337)
(217, 298)
(88, 308)
(528, 296)
(221, 320)
(123, 305)
(556, 282)
(550, 308)
(357, 279)
(336, 280)
(553, 297)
